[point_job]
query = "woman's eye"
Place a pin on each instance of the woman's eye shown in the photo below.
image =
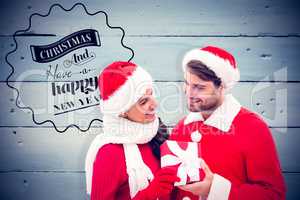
(142, 102)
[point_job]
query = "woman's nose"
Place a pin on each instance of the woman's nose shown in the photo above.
(153, 103)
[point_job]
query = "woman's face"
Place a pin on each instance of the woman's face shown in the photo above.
(143, 111)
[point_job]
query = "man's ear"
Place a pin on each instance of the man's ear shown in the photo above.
(222, 88)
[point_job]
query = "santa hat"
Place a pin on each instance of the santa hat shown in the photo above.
(121, 84)
(217, 60)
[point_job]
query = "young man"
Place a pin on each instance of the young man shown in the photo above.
(239, 156)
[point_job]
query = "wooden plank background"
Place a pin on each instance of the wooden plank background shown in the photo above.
(264, 36)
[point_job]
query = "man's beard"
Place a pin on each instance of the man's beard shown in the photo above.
(208, 107)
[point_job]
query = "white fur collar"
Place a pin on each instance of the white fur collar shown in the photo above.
(221, 118)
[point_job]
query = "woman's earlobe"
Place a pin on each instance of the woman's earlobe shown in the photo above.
(124, 115)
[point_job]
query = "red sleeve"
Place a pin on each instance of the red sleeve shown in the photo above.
(107, 172)
(264, 178)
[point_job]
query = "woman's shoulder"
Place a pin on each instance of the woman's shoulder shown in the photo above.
(110, 152)
(110, 164)
(111, 149)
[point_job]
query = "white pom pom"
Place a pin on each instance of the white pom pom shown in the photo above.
(196, 136)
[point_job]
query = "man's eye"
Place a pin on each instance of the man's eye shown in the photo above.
(198, 87)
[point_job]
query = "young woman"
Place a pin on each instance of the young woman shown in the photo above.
(123, 162)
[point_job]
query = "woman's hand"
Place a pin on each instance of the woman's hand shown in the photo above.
(201, 188)
(163, 182)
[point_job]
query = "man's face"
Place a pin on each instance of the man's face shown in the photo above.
(202, 96)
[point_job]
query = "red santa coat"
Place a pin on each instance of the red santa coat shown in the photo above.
(110, 179)
(238, 147)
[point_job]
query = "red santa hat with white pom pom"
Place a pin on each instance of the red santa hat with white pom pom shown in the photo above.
(121, 84)
(217, 60)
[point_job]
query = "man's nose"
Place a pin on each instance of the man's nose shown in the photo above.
(189, 92)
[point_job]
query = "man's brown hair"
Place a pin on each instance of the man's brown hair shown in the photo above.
(199, 69)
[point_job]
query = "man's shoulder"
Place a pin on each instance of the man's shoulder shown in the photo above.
(245, 112)
(176, 129)
(246, 116)
(181, 121)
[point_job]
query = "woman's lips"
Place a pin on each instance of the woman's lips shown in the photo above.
(150, 116)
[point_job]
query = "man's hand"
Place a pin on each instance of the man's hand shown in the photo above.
(201, 188)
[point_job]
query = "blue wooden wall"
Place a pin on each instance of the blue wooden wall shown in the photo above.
(36, 162)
